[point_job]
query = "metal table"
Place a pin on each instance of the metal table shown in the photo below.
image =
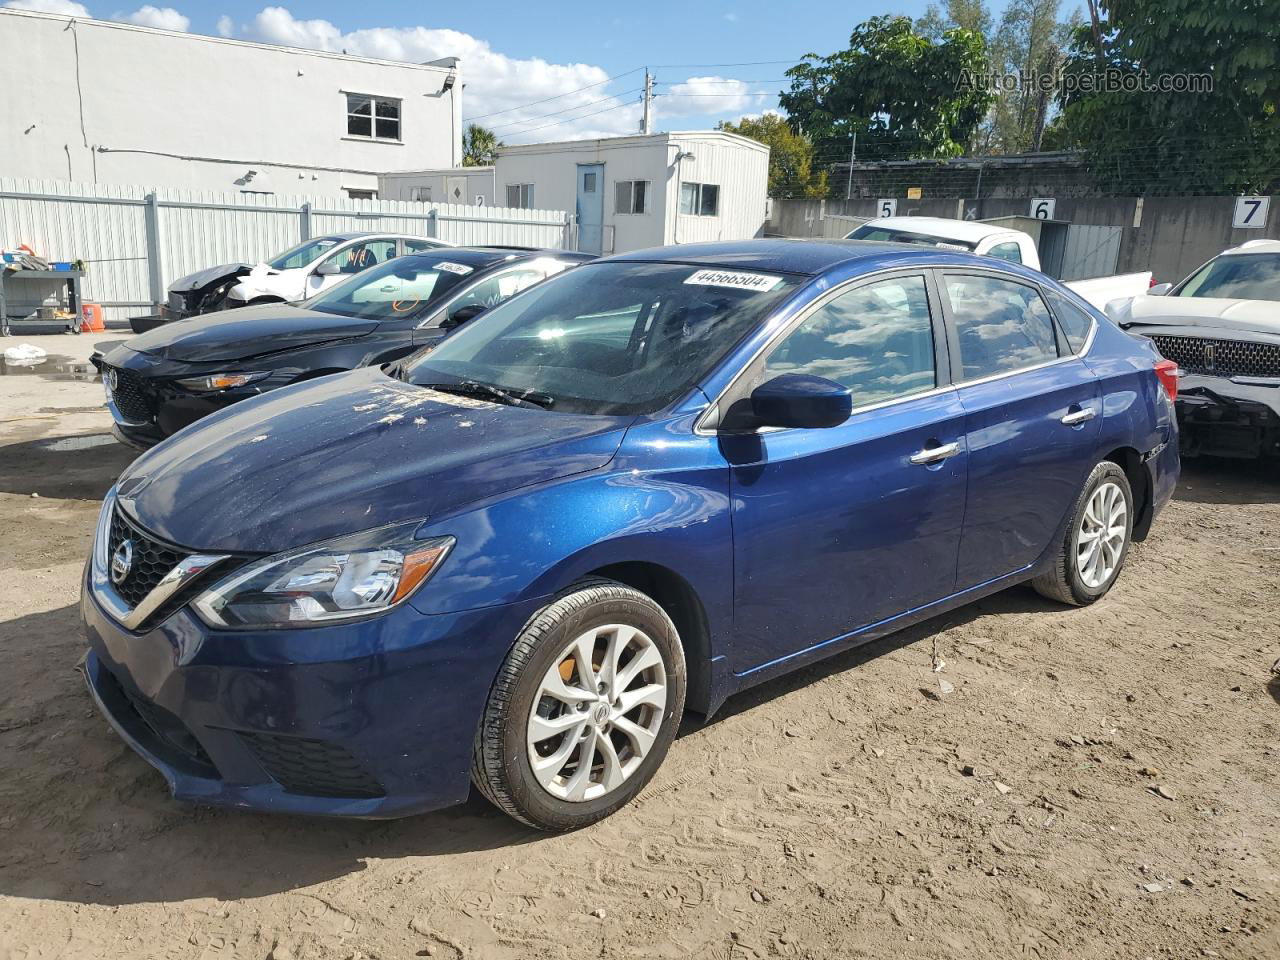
(9, 280)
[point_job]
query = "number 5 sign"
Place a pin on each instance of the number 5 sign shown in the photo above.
(1042, 208)
(1251, 212)
(887, 208)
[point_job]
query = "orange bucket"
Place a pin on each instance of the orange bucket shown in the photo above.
(91, 318)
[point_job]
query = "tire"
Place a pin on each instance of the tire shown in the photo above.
(543, 659)
(1072, 579)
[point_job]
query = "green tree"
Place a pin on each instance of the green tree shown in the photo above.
(965, 14)
(1221, 140)
(900, 93)
(479, 146)
(791, 172)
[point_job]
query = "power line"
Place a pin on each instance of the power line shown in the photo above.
(748, 63)
(556, 113)
(619, 76)
(616, 106)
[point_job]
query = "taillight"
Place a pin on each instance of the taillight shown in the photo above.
(1167, 374)
(1152, 282)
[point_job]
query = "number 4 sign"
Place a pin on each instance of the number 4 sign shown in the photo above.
(1251, 213)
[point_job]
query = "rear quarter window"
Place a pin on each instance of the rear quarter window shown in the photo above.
(1074, 321)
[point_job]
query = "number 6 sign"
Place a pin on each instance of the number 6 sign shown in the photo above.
(1251, 213)
(1042, 208)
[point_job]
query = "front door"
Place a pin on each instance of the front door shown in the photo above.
(1032, 411)
(840, 528)
(591, 208)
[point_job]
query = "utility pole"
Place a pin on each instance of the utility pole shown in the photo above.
(853, 153)
(646, 124)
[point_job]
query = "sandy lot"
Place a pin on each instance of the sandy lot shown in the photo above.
(1122, 799)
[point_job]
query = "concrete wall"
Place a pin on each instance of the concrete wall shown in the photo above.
(472, 182)
(1169, 236)
(143, 106)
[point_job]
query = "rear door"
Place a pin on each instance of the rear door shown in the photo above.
(1032, 414)
(835, 529)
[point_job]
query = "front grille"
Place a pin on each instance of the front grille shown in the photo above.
(1221, 358)
(151, 559)
(315, 768)
(130, 394)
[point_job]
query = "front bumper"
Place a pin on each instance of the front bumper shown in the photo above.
(372, 719)
(1228, 417)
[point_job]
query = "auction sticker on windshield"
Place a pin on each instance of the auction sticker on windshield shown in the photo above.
(459, 268)
(738, 279)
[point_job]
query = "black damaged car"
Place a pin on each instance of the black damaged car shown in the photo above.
(162, 380)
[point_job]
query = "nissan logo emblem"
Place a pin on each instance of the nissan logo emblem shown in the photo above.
(121, 562)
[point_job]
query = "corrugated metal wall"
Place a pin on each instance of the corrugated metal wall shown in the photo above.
(106, 227)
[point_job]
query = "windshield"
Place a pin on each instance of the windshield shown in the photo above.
(868, 232)
(308, 251)
(610, 338)
(405, 287)
(1240, 276)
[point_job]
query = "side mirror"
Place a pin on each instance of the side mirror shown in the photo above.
(799, 400)
(463, 314)
(328, 269)
(1160, 289)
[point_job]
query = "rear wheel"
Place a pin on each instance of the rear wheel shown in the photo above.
(584, 708)
(1097, 540)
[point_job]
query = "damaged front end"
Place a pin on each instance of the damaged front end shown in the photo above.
(1228, 390)
(202, 292)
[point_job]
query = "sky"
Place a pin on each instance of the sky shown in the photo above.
(539, 71)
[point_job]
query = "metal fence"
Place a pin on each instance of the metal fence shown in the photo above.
(135, 241)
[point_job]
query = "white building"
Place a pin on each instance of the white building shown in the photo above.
(471, 185)
(111, 103)
(625, 192)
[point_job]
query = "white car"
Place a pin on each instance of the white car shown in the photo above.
(300, 272)
(1221, 326)
(989, 240)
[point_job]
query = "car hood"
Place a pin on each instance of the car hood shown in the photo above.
(1259, 316)
(346, 453)
(202, 278)
(247, 332)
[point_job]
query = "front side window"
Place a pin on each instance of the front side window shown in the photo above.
(1074, 321)
(1006, 251)
(631, 196)
(1238, 276)
(361, 256)
(520, 196)
(404, 287)
(377, 118)
(700, 199)
(876, 340)
(608, 338)
(304, 254)
(1002, 325)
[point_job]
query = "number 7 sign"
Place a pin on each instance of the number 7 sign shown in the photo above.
(1251, 213)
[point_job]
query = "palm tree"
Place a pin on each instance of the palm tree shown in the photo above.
(479, 146)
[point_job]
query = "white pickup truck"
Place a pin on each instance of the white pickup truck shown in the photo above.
(992, 241)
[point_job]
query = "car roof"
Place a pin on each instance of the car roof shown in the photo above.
(482, 257)
(1254, 246)
(358, 234)
(780, 255)
(947, 229)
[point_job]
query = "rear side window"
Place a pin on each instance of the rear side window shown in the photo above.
(1002, 325)
(1075, 323)
(1006, 251)
(876, 340)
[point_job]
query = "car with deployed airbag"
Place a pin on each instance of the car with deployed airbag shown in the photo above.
(160, 381)
(513, 560)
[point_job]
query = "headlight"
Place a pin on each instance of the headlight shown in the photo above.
(220, 381)
(342, 579)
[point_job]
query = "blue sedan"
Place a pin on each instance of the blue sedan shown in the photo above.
(515, 559)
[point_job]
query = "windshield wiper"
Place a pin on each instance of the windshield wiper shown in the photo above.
(513, 398)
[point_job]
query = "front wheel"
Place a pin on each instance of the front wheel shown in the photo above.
(1097, 540)
(584, 708)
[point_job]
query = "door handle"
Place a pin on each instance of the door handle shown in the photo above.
(1080, 416)
(935, 454)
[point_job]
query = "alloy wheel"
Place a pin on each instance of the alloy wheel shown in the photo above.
(1100, 538)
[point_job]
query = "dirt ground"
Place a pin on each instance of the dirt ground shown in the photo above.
(1121, 799)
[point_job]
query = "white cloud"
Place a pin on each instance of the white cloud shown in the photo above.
(714, 95)
(495, 83)
(163, 18)
(64, 7)
(226, 26)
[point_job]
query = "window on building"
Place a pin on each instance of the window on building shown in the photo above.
(520, 196)
(631, 196)
(876, 340)
(377, 118)
(358, 194)
(588, 183)
(420, 194)
(1003, 326)
(700, 199)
